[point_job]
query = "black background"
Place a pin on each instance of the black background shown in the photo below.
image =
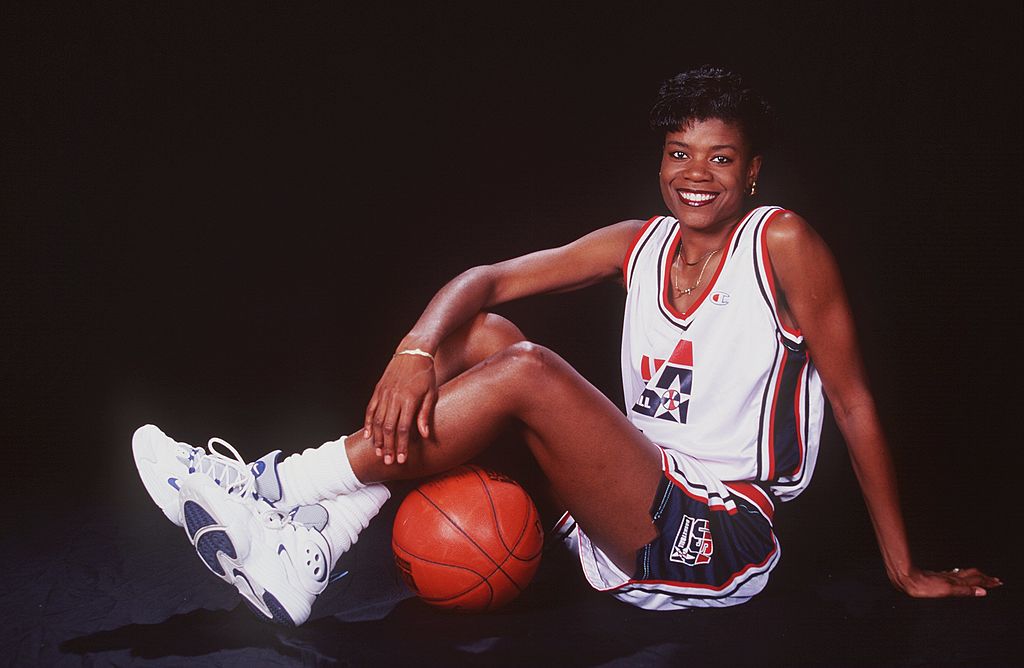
(221, 218)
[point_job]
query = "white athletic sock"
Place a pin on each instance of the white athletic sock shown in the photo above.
(316, 474)
(349, 514)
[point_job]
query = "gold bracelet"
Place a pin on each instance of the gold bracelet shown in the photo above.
(415, 351)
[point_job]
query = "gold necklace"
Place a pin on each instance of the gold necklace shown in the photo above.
(675, 282)
(679, 253)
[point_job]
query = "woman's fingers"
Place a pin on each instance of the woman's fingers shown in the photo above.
(972, 576)
(395, 426)
(369, 424)
(426, 412)
(390, 427)
(402, 428)
(954, 582)
(400, 403)
(379, 426)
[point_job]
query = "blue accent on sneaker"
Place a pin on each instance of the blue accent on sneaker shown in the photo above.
(196, 518)
(212, 543)
(173, 482)
(280, 615)
(268, 483)
(280, 549)
(276, 613)
(337, 576)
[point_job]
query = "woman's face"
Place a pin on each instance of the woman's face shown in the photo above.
(706, 173)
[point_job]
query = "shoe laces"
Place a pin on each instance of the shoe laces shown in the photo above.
(274, 518)
(236, 477)
(231, 474)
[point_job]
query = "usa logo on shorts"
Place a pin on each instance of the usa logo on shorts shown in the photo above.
(693, 545)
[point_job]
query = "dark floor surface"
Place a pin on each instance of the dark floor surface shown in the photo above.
(121, 587)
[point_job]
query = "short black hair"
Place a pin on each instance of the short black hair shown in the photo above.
(713, 92)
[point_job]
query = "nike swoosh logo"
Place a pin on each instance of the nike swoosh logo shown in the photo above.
(173, 482)
(281, 548)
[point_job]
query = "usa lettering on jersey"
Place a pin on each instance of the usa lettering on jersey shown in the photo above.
(667, 394)
(694, 545)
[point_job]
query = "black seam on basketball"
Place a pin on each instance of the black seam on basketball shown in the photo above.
(512, 555)
(526, 523)
(490, 594)
(497, 525)
(455, 524)
(439, 563)
(505, 573)
(483, 578)
(494, 511)
(484, 582)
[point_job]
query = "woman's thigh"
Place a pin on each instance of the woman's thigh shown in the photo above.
(600, 466)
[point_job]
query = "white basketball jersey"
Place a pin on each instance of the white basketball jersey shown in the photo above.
(725, 382)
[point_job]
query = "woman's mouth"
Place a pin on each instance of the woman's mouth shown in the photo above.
(695, 198)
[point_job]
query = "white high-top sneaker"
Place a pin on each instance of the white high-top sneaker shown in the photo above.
(278, 560)
(164, 464)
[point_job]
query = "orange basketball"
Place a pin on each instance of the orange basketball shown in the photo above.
(469, 540)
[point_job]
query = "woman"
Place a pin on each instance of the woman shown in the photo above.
(736, 324)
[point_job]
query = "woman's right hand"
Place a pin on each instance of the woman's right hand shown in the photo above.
(406, 393)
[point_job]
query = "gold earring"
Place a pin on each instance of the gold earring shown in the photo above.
(753, 188)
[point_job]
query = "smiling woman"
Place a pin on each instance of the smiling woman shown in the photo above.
(736, 327)
(707, 172)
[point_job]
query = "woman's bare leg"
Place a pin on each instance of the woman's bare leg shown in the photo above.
(599, 464)
(485, 335)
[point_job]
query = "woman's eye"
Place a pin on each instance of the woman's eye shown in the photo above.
(721, 160)
(678, 155)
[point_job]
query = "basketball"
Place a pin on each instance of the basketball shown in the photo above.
(469, 540)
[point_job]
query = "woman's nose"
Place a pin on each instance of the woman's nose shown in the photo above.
(696, 171)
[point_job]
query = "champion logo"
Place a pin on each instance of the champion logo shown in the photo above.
(720, 298)
(258, 468)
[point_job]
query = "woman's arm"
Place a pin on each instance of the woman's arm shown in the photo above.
(407, 390)
(816, 302)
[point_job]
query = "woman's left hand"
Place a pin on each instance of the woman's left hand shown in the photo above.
(920, 583)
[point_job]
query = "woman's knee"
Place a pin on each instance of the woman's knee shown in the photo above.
(482, 337)
(531, 364)
(489, 333)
